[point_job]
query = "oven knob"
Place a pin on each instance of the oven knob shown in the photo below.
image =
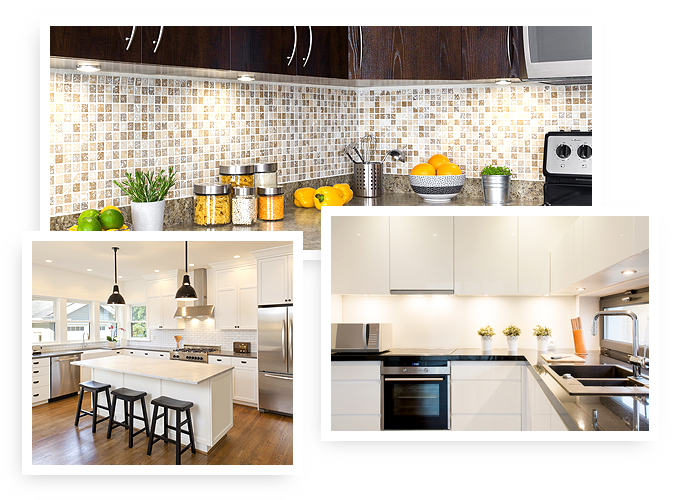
(563, 151)
(426, 370)
(585, 152)
(405, 370)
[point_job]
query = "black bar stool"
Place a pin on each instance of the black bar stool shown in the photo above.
(95, 388)
(178, 406)
(128, 396)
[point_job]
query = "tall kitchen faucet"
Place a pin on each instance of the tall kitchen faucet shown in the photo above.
(637, 362)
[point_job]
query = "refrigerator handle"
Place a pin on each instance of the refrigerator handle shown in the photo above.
(290, 341)
(284, 341)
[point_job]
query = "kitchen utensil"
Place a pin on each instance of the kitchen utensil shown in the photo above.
(437, 188)
(578, 340)
(368, 179)
(368, 150)
(347, 151)
(396, 155)
(355, 148)
(571, 359)
(177, 339)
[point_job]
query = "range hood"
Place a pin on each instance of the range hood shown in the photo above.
(200, 308)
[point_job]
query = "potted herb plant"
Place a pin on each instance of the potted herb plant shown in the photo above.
(486, 333)
(147, 192)
(543, 334)
(512, 333)
(495, 184)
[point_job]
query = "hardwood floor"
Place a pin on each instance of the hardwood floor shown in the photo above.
(255, 439)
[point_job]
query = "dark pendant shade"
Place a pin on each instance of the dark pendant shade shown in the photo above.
(115, 298)
(186, 291)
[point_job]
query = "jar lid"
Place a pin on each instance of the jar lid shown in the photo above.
(212, 188)
(265, 167)
(236, 170)
(244, 191)
(270, 191)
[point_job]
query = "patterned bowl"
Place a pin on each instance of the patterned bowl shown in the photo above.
(437, 188)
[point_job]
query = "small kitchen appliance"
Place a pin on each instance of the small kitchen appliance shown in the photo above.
(567, 167)
(558, 55)
(241, 347)
(195, 353)
(361, 337)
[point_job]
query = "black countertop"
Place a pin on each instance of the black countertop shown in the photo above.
(614, 413)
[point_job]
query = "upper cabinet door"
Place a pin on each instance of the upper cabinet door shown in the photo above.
(188, 46)
(265, 49)
(322, 51)
(608, 240)
(100, 43)
(490, 52)
(421, 254)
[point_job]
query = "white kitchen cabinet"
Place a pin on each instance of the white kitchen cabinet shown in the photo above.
(245, 385)
(540, 415)
(40, 380)
(421, 254)
(235, 292)
(486, 260)
(360, 255)
(160, 302)
(486, 396)
(641, 237)
(274, 276)
(355, 396)
(608, 240)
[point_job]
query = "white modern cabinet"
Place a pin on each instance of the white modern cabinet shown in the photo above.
(245, 388)
(141, 353)
(235, 292)
(540, 415)
(355, 396)
(40, 380)
(486, 396)
(360, 255)
(609, 240)
(160, 302)
(486, 255)
(421, 254)
(274, 276)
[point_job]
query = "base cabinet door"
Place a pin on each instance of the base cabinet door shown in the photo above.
(245, 381)
(355, 396)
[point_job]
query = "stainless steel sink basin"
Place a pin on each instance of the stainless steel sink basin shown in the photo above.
(611, 382)
(592, 371)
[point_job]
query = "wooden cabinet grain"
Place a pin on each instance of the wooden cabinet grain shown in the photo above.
(99, 43)
(490, 52)
(187, 46)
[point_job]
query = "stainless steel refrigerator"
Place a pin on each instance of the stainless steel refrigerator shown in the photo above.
(274, 353)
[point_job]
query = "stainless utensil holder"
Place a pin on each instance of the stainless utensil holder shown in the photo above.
(368, 179)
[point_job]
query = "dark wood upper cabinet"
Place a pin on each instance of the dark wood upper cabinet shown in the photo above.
(322, 51)
(490, 52)
(263, 49)
(187, 46)
(100, 43)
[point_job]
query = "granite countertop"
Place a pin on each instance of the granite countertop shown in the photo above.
(177, 371)
(614, 413)
(250, 355)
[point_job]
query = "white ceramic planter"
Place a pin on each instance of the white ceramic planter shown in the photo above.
(512, 344)
(543, 343)
(112, 345)
(486, 343)
(148, 216)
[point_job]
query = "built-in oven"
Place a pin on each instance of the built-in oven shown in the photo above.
(415, 394)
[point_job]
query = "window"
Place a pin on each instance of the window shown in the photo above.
(617, 330)
(108, 322)
(43, 320)
(77, 321)
(138, 322)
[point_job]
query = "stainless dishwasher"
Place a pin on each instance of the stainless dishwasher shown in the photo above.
(65, 376)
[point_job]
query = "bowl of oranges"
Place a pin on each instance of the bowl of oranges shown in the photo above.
(438, 180)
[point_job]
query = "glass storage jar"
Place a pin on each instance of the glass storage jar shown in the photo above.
(266, 175)
(270, 205)
(244, 206)
(238, 175)
(211, 204)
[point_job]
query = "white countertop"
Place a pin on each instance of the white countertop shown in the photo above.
(178, 371)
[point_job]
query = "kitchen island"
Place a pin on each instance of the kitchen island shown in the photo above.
(208, 387)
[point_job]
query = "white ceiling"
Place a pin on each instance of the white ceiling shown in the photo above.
(136, 258)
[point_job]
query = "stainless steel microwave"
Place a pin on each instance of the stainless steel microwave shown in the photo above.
(558, 55)
(361, 337)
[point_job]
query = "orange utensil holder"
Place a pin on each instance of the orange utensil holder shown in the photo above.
(579, 342)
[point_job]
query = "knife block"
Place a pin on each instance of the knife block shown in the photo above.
(579, 342)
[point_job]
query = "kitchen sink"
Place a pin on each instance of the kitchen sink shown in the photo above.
(592, 371)
(611, 382)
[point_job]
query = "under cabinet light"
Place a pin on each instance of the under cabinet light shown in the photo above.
(502, 81)
(88, 67)
(246, 78)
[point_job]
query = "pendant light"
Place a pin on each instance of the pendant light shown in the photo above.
(115, 298)
(186, 291)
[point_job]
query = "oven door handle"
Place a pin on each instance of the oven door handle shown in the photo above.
(414, 379)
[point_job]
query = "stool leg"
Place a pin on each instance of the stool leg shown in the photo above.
(95, 395)
(130, 426)
(146, 417)
(80, 405)
(165, 423)
(110, 416)
(108, 401)
(193, 443)
(178, 437)
(126, 412)
(153, 430)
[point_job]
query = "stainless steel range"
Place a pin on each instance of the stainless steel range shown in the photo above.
(567, 167)
(196, 353)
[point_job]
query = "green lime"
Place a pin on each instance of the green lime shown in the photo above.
(111, 219)
(88, 213)
(89, 224)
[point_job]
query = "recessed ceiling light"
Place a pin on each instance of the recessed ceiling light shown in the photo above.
(245, 78)
(628, 271)
(236, 256)
(580, 289)
(88, 67)
(156, 270)
(190, 265)
(48, 260)
(89, 270)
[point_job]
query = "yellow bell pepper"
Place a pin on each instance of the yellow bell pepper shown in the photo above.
(347, 193)
(304, 197)
(328, 196)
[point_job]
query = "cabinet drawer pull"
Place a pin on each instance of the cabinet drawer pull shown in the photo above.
(130, 38)
(294, 47)
(36, 395)
(218, 359)
(36, 381)
(36, 362)
(157, 42)
(243, 362)
(146, 354)
(306, 59)
(36, 371)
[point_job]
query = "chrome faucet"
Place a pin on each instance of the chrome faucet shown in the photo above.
(637, 362)
(84, 333)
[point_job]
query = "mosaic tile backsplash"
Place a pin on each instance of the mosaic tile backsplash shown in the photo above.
(102, 126)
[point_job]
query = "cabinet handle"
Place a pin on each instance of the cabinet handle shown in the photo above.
(311, 40)
(36, 395)
(35, 381)
(294, 47)
(157, 42)
(130, 38)
(36, 371)
(219, 360)
(36, 362)
(509, 54)
(146, 354)
(360, 58)
(242, 362)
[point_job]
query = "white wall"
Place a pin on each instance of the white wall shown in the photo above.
(58, 283)
(452, 321)
(134, 291)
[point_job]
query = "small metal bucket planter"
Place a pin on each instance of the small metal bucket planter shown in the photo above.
(496, 188)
